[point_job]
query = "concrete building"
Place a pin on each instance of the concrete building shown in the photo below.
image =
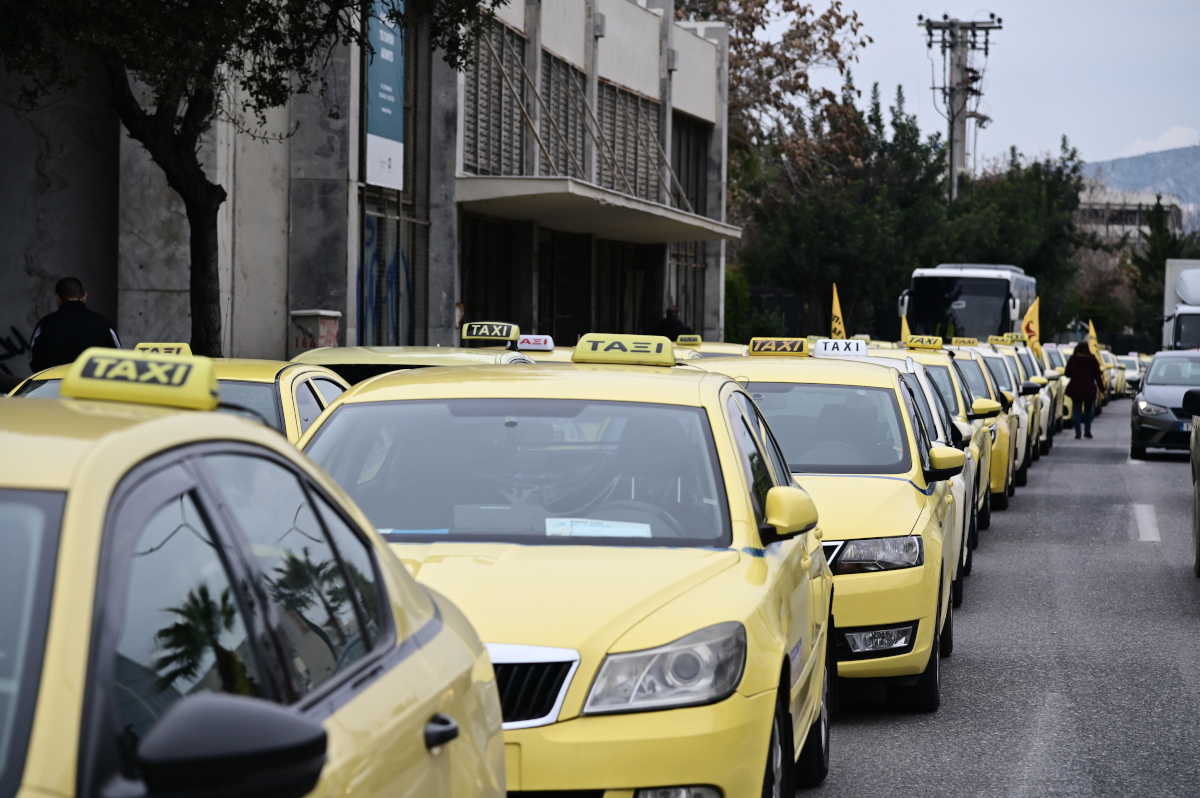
(1110, 213)
(571, 179)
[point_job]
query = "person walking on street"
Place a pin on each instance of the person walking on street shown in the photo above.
(1083, 370)
(671, 325)
(63, 335)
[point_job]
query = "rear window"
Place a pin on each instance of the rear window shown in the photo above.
(40, 389)
(355, 373)
(1055, 357)
(29, 528)
(260, 398)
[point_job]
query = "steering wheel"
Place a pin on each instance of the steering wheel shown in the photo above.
(643, 507)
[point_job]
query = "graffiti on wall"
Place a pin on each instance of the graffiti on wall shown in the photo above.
(12, 346)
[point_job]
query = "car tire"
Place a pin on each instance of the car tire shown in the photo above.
(971, 542)
(946, 638)
(984, 521)
(926, 694)
(1021, 478)
(1035, 451)
(813, 765)
(1000, 500)
(1195, 529)
(779, 780)
(1137, 452)
(1044, 446)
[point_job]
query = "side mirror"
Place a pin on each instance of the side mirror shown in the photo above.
(790, 511)
(1041, 381)
(985, 408)
(1030, 388)
(1122, 367)
(1052, 374)
(944, 463)
(961, 434)
(902, 305)
(1008, 398)
(1191, 402)
(233, 747)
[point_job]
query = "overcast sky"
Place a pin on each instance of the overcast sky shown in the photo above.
(1118, 78)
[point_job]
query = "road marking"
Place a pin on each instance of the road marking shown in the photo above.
(1135, 462)
(1147, 523)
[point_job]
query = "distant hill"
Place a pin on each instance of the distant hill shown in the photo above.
(1169, 172)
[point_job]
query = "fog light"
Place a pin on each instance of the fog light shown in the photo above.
(879, 639)
(679, 792)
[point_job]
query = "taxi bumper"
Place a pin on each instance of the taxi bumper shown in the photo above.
(723, 745)
(884, 600)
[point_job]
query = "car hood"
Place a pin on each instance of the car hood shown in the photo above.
(580, 597)
(864, 506)
(1165, 395)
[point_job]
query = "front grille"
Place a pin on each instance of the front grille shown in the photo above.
(528, 690)
(1181, 414)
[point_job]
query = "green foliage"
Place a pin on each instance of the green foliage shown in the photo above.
(742, 322)
(1149, 261)
(867, 218)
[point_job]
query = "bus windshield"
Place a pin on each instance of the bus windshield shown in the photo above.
(958, 306)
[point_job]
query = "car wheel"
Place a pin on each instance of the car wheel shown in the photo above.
(946, 638)
(1044, 446)
(1021, 478)
(1035, 451)
(780, 778)
(985, 517)
(926, 694)
(971, 542)
(1137, 452)
(1195, 529)
(1000, 500)
(813, 765)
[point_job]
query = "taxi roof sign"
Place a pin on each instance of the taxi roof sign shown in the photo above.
(779, 347)
(839, 347)
(688, 340)
(998, 339)
(115, 375)
(626, 350)
(923, 342)
(164, 349)
(490, 331)
(1016, 336)
(535, 343)
(964, 341)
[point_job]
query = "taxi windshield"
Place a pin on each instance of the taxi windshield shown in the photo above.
(1027, 363)
(1055, 358)
(945, 383)
(1174, 371)
(974, 377)
(1128, 362)
(533, 471)
(1012, 361)
(999, 373)
(835, 429)
(29, 525)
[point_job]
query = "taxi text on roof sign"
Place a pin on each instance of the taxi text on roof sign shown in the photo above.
(997, 339)
(629, 350)
(490, 331)
(923, 342)
(116, 375)
(535, 343)
(689, 340)
(1015, 336)
(776, 347)
(964, 342)
(835, 347)
(164, 349)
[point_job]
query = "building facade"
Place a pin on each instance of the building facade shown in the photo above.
(572, 178)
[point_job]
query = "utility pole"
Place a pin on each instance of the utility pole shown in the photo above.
(957, 39)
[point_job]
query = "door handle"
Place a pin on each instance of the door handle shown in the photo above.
(440, 730)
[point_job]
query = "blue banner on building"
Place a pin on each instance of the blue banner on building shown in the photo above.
(385, 105)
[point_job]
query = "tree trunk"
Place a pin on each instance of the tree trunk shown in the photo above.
(205, 278)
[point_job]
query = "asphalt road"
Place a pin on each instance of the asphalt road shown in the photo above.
(1076, 668)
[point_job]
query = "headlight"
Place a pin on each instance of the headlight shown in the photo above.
(1149, 408)
(880, 554)
(701, 668)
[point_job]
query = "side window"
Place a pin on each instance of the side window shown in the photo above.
(968, 395)
(329, 389)
(307, 405)
(919, 431)
(943, 411)
(783, 474)
(758, 474)
(183, 630)
(360, 571)
(321, 621)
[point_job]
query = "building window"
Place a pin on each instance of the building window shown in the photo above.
(386, 295)
(685, 288)
(629, 157)
(494, 127)
(690, 140)
(563, 110)
(629, 286)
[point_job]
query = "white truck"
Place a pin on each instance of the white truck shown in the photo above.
(967, 299)
(1181, 305)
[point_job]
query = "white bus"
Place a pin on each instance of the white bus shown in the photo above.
(974, 300)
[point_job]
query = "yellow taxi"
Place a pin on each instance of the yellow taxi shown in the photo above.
(1002, 428)
(358, 363)
(285, 396)
(196, 609)
(1051, 360)
(1047, 380)
(1028, 402)
(853, 437)
(1059, 354)
(711, 348)
(626, 536)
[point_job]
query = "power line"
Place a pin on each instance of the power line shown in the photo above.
(962, 84)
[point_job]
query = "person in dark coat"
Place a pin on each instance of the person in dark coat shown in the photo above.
(63, 335)
(1085, 374)
(671, 325)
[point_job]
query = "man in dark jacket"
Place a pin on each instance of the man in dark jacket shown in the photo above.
(672, 326)
(1085, 374)
(64, 334)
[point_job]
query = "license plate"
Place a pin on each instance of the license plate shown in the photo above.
(1185, 426)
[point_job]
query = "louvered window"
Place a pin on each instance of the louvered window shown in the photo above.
(690, 140)
(563, 113)
(494, 129)
(629, 163)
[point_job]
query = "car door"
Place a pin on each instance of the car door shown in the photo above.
(374, 684)
(787, 561)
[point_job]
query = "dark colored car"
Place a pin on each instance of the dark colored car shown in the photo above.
(1158, 419)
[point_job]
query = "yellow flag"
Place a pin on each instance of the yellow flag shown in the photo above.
(1093, 344)
(839, 324)
(1032, 327)
(904, 331)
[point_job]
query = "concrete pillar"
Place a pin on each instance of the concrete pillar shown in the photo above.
(533, 66)
(718, 154)
(595, 23)
(445, 153)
